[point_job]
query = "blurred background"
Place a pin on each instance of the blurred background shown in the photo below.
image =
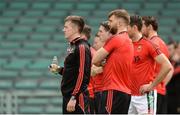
(31, 34)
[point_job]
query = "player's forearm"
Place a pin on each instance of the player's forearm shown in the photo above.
(169, 76)
(165, 69)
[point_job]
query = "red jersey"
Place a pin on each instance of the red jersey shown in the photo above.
(143, 64)
(116, 71)
(161, 88)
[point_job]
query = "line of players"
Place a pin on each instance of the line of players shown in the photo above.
(130, 66)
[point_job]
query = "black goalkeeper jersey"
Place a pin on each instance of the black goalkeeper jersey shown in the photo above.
(77, 67)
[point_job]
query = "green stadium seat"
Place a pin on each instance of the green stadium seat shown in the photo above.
(12, 13)
(6, 53)
(96, 21)
(2, 5)
(50, 84)
(154, 6)
(37, 101)
(165, 30)
(8, 74)
(34, 13)
(2, 61)
(59, 38)
(32, 74)
(100, 14)
(16, 36)
(108, 6)
(1, 36)
(148, 12)
(40, 64)
(33, 45)
(55, 45)
(6, 84)
(54, 110)
(28, 20)
(17, 64)
(22, 29)
(85, 6)
(9, 45)
(131, 6)
(4, 28)
(176, 37)
(19, 5)
(26, 53)
(45, 29)
(7, 21)
(170, 13)
(40, 36)
(57, 13)
(178, 30)
(27, 109)
(51, 21)
(63, 6)
(169, 22)
(173, 5)
(50, 53)
(26, 84)
(56, 101)
(41, 5)
(82, 13)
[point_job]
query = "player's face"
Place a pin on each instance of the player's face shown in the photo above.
(69, 29)
(144, 30)
(97, 44)
(130, 31)
(113, 23)
(103, 34)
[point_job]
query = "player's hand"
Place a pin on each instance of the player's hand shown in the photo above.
(96, 70)
(145, 88)
(53, 68)
(71, 105)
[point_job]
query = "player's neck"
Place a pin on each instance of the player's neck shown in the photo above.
(137, 37)
(73, 37)
(121, 30)
(151, 34)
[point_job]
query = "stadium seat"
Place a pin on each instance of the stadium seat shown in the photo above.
(51, 21)
(12, 13)
(108, 6)
(173, 5)
(2, 5)
(4, 28)
(22, 29)
(153, 6)
(54, 110)
(40, 36)
(100, 14)
(33, 45)
(45, 29)
(26, 84)
(57, 13)
(32, 74)
(50, 53)
(41, 5)
(167, 21)
(16, 37)
(83, 13)
(6, 53)
(25, 109)
(55, 46)
(17, 64)
(7, 21)
(170, 13)
(6, 84)
(18, 5)
(2, 61)
(131, 6)
(8, 74)
(28, 20)
(27, 53)
(63, 6)
(84, 6)
(53, 83)
(40, 64)
(9, 45)
(148, 12)
(37, 101)
(34, 13)
(59, 37)
(56, 101)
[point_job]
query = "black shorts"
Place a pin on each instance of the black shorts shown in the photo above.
(114, 102)
(161, 104)
(82, 104)
(97, 101)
